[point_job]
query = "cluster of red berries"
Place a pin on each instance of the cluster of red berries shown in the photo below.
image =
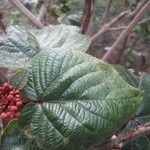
(10, 102)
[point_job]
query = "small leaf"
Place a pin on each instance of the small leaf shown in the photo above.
(20, 79)
(13, 139)
(145, 85)
(17, 47)
(143, 116)
(78, 99)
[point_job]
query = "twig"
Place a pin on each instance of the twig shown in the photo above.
(87, 13)
(2, 26)
(106, 27)
(106, 11)
(139, 7)
(124, 27)
(127, 31)
(124, 138)
(27, 13)
(44, 10)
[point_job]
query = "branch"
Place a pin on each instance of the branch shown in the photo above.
(27, 13)
(44, 10)
(107, 26)
(2, 26)
(139, 7)
(106, 11)
(127, 31)
(124, 27)
(87, 13)
(124, 138)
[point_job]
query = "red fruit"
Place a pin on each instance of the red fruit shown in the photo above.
(19, 103)
(10, 97)
(17, 99)
(8, 114)
(1, 88)
(17, 114)
(3, 115)
(6, 85)
(11, 116)
(17, 96)
(17, 92)
(13, 108)
(12, 93)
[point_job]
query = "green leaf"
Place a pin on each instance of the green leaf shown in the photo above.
(20, 79)
(20, 45)
(76, 99)
(61, 36)
(127, 76)
(145, 85)
(143, 116)
(13, 139)
(17, 47)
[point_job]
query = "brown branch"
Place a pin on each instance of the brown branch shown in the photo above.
(106, 11)
(27, 13)
(107, 26)
(2, 26)
(124, 27)
(44, 10)
(124, 138)
(127, 31)
(87, 13)
(139, 7)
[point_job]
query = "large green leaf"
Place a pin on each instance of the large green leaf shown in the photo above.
(76, 99)
(20, 45)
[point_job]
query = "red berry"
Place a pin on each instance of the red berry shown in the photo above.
(13, 108)
(11, 116)
(1, 88)
(10, 97)
(17, 96)
(17, 99)
(3, 115)
(8, 114)
(12, 93)
(6, 85)
(19, 103)
(17, 114)
(17, 92)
